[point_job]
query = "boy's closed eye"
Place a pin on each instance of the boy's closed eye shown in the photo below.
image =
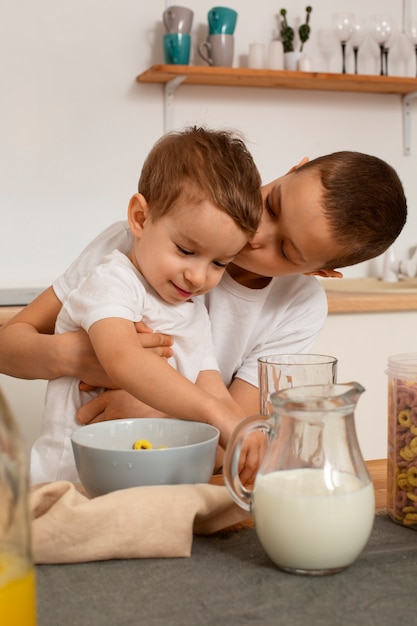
(185, 252)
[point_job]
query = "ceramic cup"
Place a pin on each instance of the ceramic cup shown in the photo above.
(178, 19)
(275, 56)
(217, 50)
(177, 48)
(256, 57)
(222, 20)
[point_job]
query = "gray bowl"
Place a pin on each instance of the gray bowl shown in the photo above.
(106, 461)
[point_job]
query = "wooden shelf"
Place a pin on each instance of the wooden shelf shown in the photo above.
(171, 76)
(273, 79)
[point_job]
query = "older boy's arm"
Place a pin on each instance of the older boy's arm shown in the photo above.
(29, 349)
(246, 395)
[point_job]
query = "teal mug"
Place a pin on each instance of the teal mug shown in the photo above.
(222, 21)
(177, 47)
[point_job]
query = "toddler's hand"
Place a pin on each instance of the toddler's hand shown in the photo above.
(251, 456)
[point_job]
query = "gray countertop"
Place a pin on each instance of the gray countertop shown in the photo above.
(229, 580)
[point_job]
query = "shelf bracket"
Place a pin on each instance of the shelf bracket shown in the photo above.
(169, 92)
(406, 104)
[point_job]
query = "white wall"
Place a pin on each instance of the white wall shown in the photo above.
(75, 126)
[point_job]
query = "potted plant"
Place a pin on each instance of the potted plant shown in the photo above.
(287, 37)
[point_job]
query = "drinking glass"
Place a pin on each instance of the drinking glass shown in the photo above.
(382, 30)
(411, 32)
(343, 25)
(326, 41)
(283, 371)
(17, 573)
(358, 35)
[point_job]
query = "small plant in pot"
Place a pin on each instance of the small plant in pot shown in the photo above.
(287, 34)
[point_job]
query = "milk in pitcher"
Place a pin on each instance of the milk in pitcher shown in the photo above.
(307, 521)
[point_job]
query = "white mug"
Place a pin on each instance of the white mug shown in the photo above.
(275, 55)
(256, 59)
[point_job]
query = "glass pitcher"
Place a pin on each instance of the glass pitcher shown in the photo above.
(17, 580)
(313, 500)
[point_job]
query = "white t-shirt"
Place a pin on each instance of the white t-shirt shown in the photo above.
(114, 288)
(284, 317)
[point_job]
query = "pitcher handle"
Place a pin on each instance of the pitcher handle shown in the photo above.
(240, 494)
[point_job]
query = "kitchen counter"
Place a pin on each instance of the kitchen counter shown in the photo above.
(338, 301)
(230, 580)
(7, 312)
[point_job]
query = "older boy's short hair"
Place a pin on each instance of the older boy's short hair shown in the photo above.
(198, 164)
(364, 201)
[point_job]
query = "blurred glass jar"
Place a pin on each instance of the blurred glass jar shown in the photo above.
(402, 439)
(17, 578)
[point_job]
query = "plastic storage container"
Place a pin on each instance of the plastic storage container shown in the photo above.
(17, 579)
(402, 439)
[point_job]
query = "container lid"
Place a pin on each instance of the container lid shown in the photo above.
(403, 365)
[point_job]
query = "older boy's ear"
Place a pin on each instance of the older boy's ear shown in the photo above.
(303, 161)
(137, 213)
(325, 274)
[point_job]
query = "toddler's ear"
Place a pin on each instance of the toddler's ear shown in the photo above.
(137, 213)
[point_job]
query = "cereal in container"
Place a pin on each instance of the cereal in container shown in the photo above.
(402, 439)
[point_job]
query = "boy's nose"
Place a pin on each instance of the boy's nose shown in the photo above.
(196, 275)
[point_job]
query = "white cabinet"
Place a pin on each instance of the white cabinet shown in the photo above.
(362, 343)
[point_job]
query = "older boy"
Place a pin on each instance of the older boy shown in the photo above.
(337, 210)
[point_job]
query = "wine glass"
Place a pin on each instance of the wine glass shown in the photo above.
(358, 35)
(381, 31)
(411, 31)
(326, 42)
(343, 25)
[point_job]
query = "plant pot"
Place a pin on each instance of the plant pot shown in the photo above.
(291, 60)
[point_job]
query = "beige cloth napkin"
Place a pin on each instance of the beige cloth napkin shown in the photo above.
(141, 522)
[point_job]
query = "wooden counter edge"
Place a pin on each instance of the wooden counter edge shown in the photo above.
(344, 302)
(378, 472)
(7, 312)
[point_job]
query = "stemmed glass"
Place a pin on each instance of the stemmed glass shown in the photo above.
(411, 31)
(326, 45)
(358, 35)
(381, 31)
(343, 25)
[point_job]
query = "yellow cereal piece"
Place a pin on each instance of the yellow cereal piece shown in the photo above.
(407, 454)
(142, 444)
(412, 496)
(412, 476)
(410, 519)
(404, 418)
(402, 480)
(413, 445)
